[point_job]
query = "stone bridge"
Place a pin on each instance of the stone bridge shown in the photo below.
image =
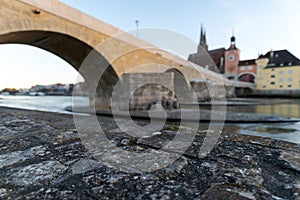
(72, 35)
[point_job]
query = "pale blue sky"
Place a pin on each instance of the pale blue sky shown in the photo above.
(259, 26)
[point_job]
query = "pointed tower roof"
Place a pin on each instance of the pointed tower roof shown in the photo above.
(202, 42)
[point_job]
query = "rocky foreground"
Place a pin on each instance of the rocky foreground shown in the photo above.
(42, 157)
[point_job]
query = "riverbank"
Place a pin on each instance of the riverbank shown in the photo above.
(42, 157)
(189, 115)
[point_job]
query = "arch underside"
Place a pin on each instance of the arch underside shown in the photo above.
(247, 77)
(68, 48)
(180, 81)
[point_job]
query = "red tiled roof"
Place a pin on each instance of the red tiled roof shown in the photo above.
(216, 55)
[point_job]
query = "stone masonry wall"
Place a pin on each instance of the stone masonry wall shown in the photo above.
(139, 91)
(207, 90)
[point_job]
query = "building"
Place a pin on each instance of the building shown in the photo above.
(212, 60)
(224, 61)
(203, 55)
(278, 73)
(247, 71)
(232, 59)
(275, 73)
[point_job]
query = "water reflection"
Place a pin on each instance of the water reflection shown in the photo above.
(289, 108)
(285, 110)
(281, 107)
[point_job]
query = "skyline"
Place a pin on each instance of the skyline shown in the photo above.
(258, 28)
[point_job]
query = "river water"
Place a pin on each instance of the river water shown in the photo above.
(42, 103)
(282, 107)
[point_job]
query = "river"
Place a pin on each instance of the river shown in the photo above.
(282, 107)
(42, 103)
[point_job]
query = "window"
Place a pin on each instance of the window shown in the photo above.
(273, 69)
(250, 67)
(264, 86)
(281, 64)
(272, 76)
(290, 71)
(280, 72)
(243, 68)
(271, 65)
(290, 79)
(272, 83)
(289, 85)
(281, 86)
(290, 64)
(281, 80)
(260, 67)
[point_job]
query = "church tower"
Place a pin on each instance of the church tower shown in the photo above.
(232, 58)
(202, 43)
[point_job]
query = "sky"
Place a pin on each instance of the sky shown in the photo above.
(258, 26)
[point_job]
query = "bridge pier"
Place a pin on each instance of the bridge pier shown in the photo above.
(243, 91)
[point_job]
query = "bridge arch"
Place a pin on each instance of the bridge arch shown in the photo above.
(56, 17)
(247, 77)
(71, 34)
(71, 49)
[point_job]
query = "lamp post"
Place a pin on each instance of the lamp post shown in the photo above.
(137, 28)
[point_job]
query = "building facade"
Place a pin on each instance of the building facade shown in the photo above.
(278, 72)
(232, 59)
(247, 71)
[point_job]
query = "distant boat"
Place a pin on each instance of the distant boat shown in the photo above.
(36, 94)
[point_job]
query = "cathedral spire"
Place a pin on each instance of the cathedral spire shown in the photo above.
(201, 34)
(202, 43)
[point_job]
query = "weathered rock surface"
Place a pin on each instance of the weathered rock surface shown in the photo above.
(43, 157)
